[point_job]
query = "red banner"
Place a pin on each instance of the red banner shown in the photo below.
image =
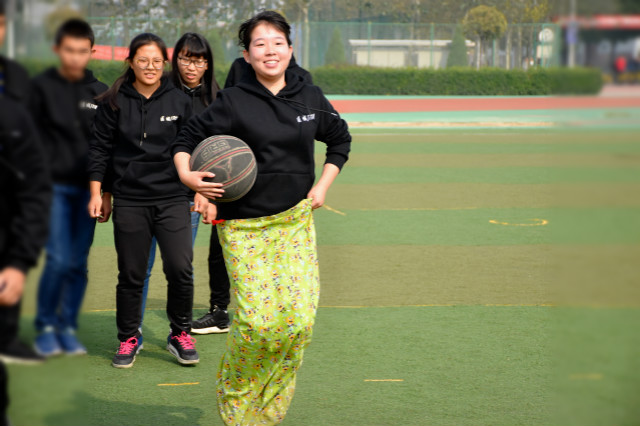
(116, 53)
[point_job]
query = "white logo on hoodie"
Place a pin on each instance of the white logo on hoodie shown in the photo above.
(87, 105)
(169, 118)
(303, 118)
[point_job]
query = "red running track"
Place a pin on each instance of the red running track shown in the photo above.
(480, 104)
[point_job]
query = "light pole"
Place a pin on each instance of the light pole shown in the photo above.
(572, 34)
(10, 12)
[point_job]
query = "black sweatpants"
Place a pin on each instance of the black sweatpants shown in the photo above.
(133, 229)
(9, 321)
(218, 278)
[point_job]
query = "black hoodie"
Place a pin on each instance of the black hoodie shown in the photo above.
(136, 139)
(16, 80)
(281, 131)
(197, 105)
(64, 112)
(25, 189)
(240, 67)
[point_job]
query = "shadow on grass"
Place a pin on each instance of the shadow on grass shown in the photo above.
(91, 411)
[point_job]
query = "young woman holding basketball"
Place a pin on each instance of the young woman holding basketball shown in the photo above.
(141, 114)
(192, 71)
(268, 237)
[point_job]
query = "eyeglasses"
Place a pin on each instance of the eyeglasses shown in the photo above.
(185, 62)
(144, 63)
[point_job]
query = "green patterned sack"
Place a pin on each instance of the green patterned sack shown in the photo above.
(273, 267)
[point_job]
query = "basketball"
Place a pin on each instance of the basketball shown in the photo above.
(232, 162)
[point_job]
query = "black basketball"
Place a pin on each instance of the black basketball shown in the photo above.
(232, 162)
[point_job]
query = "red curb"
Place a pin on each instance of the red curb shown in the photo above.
(480, 104)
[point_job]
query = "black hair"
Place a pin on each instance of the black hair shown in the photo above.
(2, 9)
(195, 45)
(141, 40)
(268, 16)
(76, 28)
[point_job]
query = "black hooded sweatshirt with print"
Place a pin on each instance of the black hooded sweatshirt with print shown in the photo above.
(63, 112)
(280, 129)
(134, 141)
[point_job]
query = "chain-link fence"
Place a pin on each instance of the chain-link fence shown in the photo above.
(426, 45)
(364, 43)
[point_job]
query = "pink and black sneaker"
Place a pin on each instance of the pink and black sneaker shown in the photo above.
(126, 353)
(182, 346)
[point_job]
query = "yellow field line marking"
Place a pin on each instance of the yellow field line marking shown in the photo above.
(535, 222)
(178, 384)
(427, 305)
(384, 380)
(586, 376)
(430, 209)
(440, 305)
(331, 209)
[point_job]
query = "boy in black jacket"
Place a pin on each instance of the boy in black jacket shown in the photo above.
(24, 207)
(62, 103)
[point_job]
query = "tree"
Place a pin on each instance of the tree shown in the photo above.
(335, 52)
(483, 23)
(458, 50)
(56, 18)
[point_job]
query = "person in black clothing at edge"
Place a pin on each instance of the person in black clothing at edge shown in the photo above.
(139, 117)
(14, 85)
(25, 195)
(14, 79)
(217, 319)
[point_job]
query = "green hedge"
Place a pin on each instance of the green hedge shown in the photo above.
(457, 81)
(353, 80)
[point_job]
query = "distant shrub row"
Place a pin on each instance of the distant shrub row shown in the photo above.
(351, 80)
(458, 81)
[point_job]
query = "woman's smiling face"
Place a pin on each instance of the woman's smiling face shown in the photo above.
(148, 64)
(269, 52)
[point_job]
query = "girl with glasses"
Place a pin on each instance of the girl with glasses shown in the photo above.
(192, 68)
(139, 117)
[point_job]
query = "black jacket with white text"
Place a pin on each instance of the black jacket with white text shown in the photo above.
(135, 142)
(281, 131)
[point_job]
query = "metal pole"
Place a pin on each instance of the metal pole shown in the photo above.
(494, 52)
(431, 36)
(11, 17)
(571, 37)
(369, 43)
(113, 37)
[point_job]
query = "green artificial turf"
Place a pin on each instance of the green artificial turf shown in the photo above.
(441, 253)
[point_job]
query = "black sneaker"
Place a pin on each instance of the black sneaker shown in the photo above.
(126, 353)
(17, 352)
(182, 347)
(216, 321)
